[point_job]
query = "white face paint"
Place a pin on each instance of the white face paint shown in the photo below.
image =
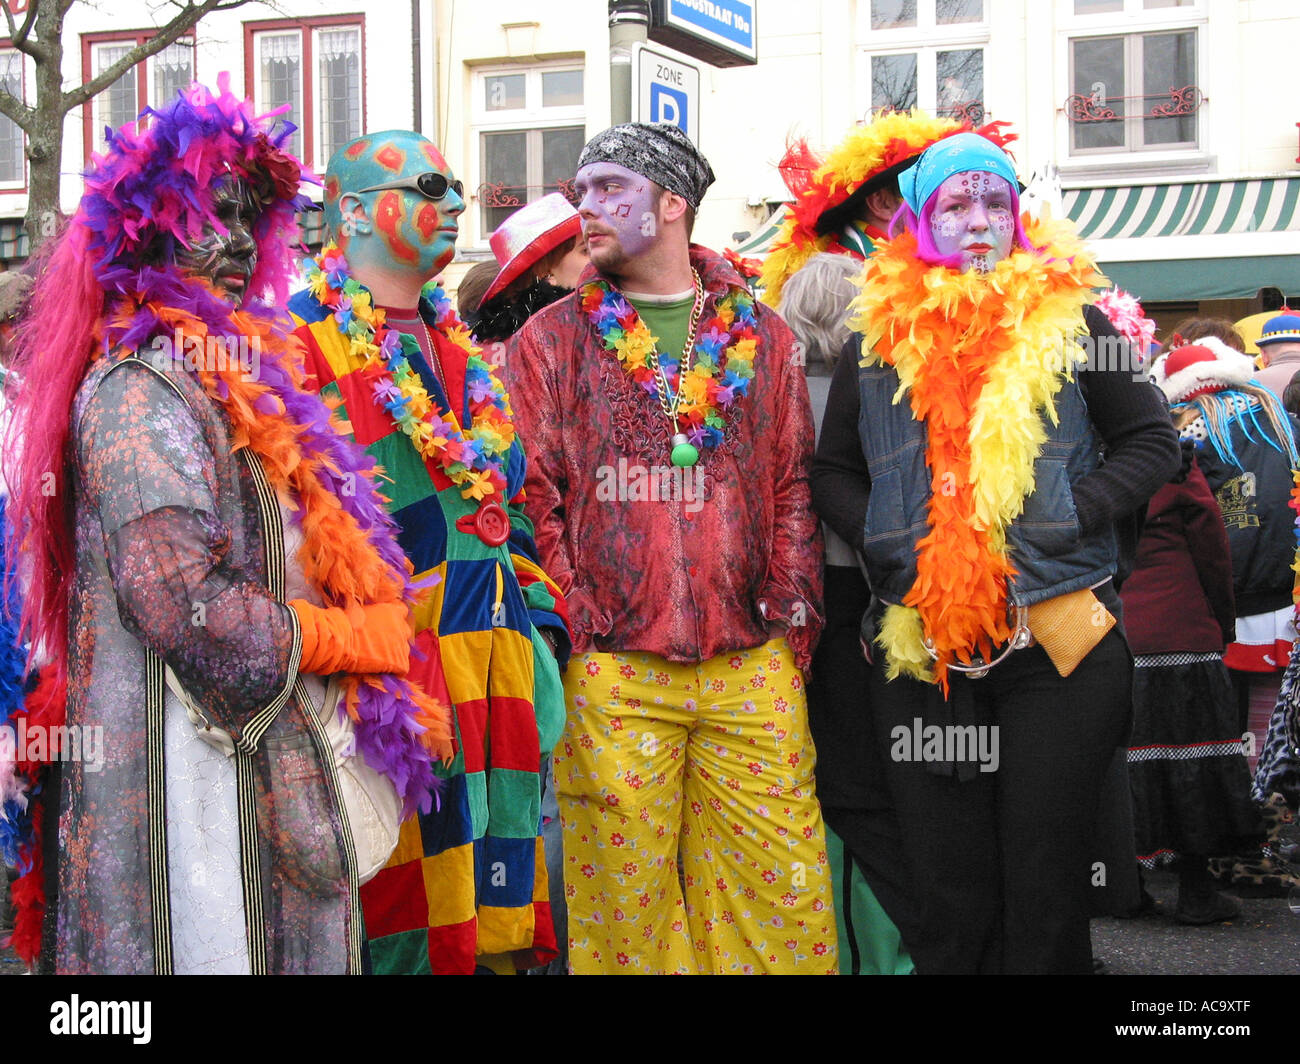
(973, 216)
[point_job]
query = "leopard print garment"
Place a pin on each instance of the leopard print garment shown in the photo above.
(1279, 762)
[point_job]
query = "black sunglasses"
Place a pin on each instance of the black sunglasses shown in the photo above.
(432, 184)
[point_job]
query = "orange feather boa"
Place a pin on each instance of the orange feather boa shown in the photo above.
(980, 358)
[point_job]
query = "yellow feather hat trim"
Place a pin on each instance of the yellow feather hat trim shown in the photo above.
(866, 151)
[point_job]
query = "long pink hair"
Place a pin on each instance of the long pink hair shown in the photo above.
(53, 345)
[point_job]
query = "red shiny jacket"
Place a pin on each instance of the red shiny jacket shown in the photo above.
(673, 565)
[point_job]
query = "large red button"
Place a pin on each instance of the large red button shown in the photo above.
(492, 524)
(489, 522)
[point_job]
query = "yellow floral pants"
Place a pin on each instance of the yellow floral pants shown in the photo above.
(709, 765)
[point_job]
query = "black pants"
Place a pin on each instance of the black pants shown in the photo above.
(988, 871)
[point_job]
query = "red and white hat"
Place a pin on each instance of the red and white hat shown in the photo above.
(1208, 365)
(531, 232)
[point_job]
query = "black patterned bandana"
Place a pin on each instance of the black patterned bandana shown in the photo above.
(662, 153)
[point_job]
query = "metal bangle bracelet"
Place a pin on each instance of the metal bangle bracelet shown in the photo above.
(1020, 638)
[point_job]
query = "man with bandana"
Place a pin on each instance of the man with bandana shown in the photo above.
(669, 436)
(467, 884)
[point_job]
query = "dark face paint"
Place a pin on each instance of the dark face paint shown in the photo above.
(226, 259)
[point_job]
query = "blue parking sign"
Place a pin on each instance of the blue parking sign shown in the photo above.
(667, 89)
(669, 105)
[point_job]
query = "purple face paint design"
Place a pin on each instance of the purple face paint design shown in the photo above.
(973, 217)
(226, 259)
(619, 214)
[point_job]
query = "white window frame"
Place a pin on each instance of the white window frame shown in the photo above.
(146, 69)
(318, 138)
(21, 182)
(99, 119)
(925, 40)
(532, 116)
(310, 131)
(260, 103)
(152, 79)
(1134, 21)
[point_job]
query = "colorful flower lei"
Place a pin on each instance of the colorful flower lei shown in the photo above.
(723, 364)
(475, 460)
(980, 359)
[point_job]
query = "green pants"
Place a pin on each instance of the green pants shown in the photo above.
(869, 943)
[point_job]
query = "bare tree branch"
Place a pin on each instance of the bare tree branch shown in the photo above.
(18, 34)
(185, 20)
(13, 108)
(21, 36)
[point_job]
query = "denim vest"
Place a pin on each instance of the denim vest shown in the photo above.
(1049, 555)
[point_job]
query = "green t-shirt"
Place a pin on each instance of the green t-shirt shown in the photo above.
(668, 321)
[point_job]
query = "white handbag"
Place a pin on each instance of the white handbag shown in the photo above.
(369, 799)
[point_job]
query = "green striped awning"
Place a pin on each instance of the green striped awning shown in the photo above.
(13, 240)
(1196, 208)
(760, 242)
(1176, 280)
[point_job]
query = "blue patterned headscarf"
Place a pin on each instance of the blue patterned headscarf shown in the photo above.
(957, 154)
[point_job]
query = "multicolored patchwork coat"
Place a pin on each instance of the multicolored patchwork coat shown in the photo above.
(468, 879)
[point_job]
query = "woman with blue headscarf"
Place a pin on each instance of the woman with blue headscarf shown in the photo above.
(982, 474)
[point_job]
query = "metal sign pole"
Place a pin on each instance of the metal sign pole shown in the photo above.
(629, 22)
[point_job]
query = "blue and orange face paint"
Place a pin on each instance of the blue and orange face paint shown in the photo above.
(408, 229)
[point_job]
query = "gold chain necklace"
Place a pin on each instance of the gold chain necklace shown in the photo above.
(684, 453)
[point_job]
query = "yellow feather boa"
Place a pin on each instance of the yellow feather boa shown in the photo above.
(1005, 342)
(867, 149)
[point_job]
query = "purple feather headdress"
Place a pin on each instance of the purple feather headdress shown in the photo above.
(153, 189)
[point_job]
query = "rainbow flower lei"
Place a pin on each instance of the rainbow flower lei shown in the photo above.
(725, 347)
(475, 460)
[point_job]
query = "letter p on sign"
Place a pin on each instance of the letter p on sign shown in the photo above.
(669, 105)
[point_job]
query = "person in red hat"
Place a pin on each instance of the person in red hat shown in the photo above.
(541, 253)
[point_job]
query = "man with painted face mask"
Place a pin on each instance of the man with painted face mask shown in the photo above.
(205, 552)
(981, 440)
(668, 434)
(467, 885)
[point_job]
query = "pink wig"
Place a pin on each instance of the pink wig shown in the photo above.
(151, 192)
